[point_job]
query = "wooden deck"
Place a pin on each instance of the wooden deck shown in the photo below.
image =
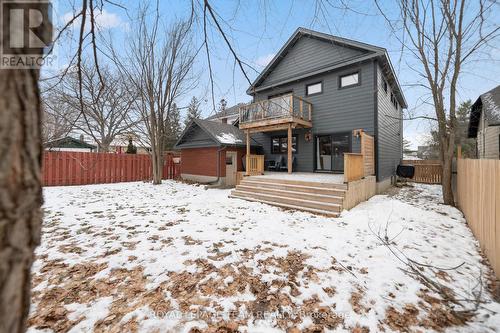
(315, 197)
(323, 194)
(276, 114)
(320, 193)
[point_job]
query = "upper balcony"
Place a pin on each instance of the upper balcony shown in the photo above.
(276, 114)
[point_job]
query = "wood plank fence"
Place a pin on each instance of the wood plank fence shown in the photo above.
(62, 168)
(368, 152)
(426, 171)
(359, 165)
(478, 197)
(353, 167)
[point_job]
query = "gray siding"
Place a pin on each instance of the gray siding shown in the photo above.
(309, 54)
(390, 132)
(488, 140)
(334, 111)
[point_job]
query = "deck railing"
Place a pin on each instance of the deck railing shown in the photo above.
(285, 106)
(256, 164)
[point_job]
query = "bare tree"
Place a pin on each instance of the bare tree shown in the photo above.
(103, 112)
(58, 118)
(158, 67)
(443, 36)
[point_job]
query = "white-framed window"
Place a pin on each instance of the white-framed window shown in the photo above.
(349, 80)
(314, 88)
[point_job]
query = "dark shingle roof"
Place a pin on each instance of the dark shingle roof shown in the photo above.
(489, 103)
(225, 134)
(233, 110)
(220, 133)
(69, 142)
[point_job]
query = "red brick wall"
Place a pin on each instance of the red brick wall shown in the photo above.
(200, 161)
(203, 161)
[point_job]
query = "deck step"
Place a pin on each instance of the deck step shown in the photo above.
(283, 205)
(340, 186)
(296, 202)
(294, 187)
(335, 197)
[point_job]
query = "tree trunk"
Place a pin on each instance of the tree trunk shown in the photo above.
(158, 167)
(20, 192)
(156, 161)
(447, 170)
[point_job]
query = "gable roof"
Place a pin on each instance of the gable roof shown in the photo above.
(228, 112)
(68, 142)
(220, 134)
(370, 52)
(489, 103)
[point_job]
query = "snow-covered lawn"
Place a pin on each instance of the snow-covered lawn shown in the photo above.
(179, 258)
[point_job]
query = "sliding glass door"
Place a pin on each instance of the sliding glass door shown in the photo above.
(330, 151)
(323, 153)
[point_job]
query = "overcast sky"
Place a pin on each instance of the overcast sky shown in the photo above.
(258, 29)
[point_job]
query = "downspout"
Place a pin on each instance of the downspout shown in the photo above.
(216, 183)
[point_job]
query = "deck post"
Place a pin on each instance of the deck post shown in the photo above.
(289, 146)
(247, 167)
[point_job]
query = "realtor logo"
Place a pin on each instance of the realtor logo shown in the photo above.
(26, 32)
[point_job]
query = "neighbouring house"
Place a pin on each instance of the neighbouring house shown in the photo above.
(229, 115)
(70, 144)
(484, 124)
(212, 152)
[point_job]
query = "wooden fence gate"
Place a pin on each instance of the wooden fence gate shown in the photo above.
(61, 168)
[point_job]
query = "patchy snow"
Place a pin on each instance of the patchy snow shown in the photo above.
(177, 257)
(228, 138)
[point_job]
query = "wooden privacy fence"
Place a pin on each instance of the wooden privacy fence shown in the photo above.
(426, 171)
(357, 166)
(77, 168)
(353, 167)
(368, 152)
(478, 197)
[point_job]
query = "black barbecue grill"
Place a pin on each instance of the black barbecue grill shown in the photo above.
(405, 171)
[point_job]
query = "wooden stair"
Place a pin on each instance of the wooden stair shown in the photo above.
(315, 197)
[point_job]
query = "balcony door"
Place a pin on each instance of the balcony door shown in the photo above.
(330, 151)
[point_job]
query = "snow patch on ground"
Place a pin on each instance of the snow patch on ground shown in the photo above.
(134, 256)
